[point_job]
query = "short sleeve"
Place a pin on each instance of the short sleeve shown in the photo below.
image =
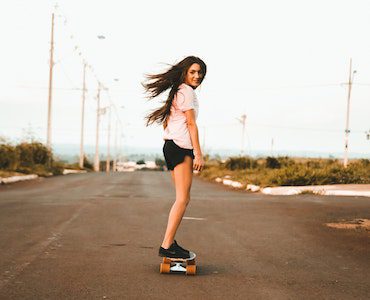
(185, 99)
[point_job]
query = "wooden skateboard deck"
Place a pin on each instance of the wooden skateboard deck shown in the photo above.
(186, 265)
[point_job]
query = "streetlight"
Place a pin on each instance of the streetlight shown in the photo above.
(98, 113)
(48, 137)
(107, 167)
(82, 154)
(347, 131)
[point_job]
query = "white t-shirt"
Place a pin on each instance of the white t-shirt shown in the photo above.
(177, 129)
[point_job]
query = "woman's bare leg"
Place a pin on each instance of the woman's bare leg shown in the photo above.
(183, 175)
(173, 177)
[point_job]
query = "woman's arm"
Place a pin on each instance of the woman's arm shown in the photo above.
(194, 136)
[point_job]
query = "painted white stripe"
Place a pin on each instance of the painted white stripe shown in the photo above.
(192, 218)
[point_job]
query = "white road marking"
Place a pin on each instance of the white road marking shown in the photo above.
(192, 218)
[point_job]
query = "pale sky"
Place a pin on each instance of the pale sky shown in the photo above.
(285, 64)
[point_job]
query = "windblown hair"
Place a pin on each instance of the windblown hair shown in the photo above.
(171, 79)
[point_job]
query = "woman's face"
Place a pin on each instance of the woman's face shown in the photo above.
(194, 76)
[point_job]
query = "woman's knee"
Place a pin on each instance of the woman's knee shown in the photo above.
(181, 204)
(181, 198)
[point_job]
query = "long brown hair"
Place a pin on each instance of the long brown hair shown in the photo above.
(172, 78)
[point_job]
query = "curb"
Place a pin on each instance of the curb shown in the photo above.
(227, 181)
(71, 171)
(12, 179)
(325, 190)
(318, 190)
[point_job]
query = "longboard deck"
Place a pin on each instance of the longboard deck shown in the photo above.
(192, 257)
(186, 265)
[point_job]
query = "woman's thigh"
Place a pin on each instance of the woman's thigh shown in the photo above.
(173, 177)
(183, 175)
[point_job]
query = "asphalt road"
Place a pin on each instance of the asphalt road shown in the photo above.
(96, 236)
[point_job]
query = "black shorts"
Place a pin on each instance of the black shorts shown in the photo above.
(174, 154)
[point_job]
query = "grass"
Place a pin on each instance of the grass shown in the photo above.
(4, 173)
(285, 171)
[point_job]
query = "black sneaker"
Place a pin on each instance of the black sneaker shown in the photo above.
(174, 251)
(185, 250)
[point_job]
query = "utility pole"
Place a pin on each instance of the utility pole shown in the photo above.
(272, 147)
(107, 168)
(121, 143)
(82, 118)
(115, 148)
(48, 139)
(347, 131)
(242, 121)
(96, 159)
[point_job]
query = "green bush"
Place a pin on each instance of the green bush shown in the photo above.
(33, 153)
(9, 157)
(286, 161)
(57, 168)
(76, 166)
(24, 170)
(87, 164)
(240, 163)
(29, 158)
(303, 175)
(272, 163)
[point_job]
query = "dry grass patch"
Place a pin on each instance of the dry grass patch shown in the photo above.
(4, 173)
(353, 224)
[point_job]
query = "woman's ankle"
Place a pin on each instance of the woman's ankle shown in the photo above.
(166, 245)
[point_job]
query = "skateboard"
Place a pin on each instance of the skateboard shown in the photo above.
(186, 265)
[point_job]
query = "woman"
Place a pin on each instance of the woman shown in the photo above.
(181, 147)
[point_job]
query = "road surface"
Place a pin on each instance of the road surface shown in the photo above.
(96, 236)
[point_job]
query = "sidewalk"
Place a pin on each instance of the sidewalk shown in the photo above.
(336, 189)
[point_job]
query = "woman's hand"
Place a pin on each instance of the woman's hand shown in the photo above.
(198, 163)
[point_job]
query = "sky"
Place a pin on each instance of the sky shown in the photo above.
(284, 64)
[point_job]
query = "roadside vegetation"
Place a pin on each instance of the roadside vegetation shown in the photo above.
(287, 171)
(31, 158)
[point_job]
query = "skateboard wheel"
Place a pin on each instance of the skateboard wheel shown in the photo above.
(191, 262)
(164, 268)
(191, 269)
(166, 260)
